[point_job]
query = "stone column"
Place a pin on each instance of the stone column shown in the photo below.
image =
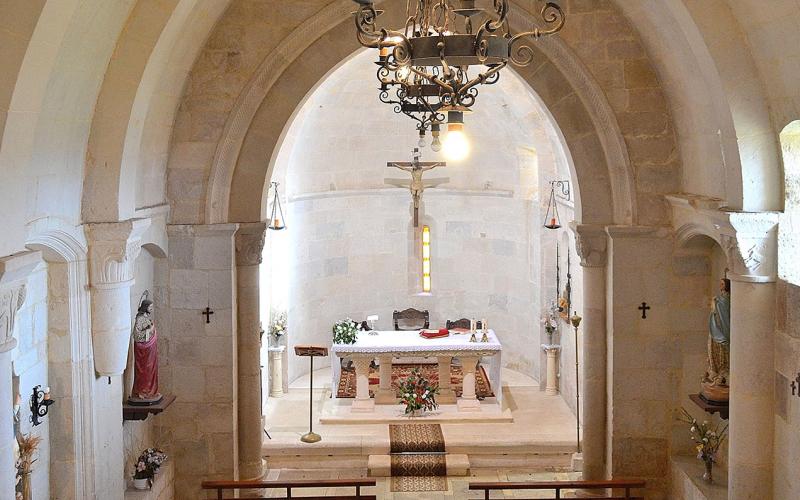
(552, 368)
(591, 242)
(363, 403)
(249, 248)
(14, 271)
(469, 400)
(385, 393)
(752, 256)
(113, 248)
(276, 371)
(446, 394)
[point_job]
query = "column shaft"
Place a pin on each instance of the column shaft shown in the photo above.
(752, 390)
(249, 245)
(593, 366)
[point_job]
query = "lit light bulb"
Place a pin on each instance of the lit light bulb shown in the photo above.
(436, 144)
(456, 145)
(421, 142)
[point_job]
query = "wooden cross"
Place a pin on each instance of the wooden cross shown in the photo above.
(207, 313)
(416, 168)
(644, 308)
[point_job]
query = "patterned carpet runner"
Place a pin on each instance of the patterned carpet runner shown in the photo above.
(347, 382)
(418, 457)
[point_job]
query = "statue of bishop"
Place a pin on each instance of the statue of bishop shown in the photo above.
(145, 354)
(716, 379)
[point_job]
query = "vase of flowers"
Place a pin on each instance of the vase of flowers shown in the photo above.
(707, 440)
(418, 394)
(278, 326)
(147, 465)
(345, 331)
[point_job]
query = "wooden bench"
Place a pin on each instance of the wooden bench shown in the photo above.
(559, 486)
(221, 486)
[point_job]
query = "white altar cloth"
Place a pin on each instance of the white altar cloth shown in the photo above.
(401, 344)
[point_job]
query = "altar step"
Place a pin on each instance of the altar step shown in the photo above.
(381, 465)
(354, 454)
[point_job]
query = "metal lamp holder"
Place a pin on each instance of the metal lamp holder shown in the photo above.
(551, 219)
(39, 405)
(277, 221)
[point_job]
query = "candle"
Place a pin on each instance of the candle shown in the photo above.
(472, 325)
(485, 325)
(553, 221)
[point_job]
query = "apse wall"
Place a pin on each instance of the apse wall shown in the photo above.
(353, 248)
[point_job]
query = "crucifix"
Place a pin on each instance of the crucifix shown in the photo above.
(644, 308)
(417, 186)
(207, 313)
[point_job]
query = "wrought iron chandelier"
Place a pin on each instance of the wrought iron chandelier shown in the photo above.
(434, 64)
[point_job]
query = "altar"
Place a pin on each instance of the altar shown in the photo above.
(386, 345)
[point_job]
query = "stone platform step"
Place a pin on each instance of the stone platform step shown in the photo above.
(381, 465)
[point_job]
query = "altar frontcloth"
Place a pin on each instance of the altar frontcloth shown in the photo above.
(402, 344)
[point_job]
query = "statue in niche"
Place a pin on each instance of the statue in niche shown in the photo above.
(145, 354)
(717, 377)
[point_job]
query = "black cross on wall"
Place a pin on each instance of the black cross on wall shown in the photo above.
(644, 308)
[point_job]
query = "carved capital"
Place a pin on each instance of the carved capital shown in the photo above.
(113, 248)
(752, 249)
(14, 271)
(250, 243)
(592, 244)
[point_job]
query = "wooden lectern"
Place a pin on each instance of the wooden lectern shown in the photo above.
(311, 351)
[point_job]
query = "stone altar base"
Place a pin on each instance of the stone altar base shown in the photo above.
(347, 411)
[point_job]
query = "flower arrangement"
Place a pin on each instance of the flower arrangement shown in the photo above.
(278, 326)
(345, 331)
(550, 322)
(417, 393)
(148, 463)
(707, 440)
(27, 444)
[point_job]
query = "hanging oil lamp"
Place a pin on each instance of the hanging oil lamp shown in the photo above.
(276, 220)
(551, 218)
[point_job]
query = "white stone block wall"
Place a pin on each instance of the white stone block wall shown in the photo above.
(29, 361)
(198, 359)
(787, 368)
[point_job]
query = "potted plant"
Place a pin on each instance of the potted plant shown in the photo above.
(345, 331)
(278, 326)
(147, 465)
(418, 394)
(707, 440)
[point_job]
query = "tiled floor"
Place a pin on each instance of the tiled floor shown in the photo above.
(541, 423)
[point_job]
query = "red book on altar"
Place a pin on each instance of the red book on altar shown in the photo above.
(434, 334)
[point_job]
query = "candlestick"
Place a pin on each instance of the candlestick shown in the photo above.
(484, 326)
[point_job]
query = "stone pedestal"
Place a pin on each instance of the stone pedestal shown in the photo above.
(552, 351)
(469, 400)
(249, 246)
(446, 393)
(276, 371)
(385, 395)
(362, 403)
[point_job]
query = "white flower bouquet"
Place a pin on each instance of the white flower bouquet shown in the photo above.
(345, 331)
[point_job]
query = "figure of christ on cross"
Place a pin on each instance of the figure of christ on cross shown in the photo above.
(417, 186)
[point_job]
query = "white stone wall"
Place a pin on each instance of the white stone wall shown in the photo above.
(787, 412)
(353, 249)
(29, 360)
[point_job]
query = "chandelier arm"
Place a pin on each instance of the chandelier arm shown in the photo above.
(481, 78)
(553, 16)
(433, 78)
